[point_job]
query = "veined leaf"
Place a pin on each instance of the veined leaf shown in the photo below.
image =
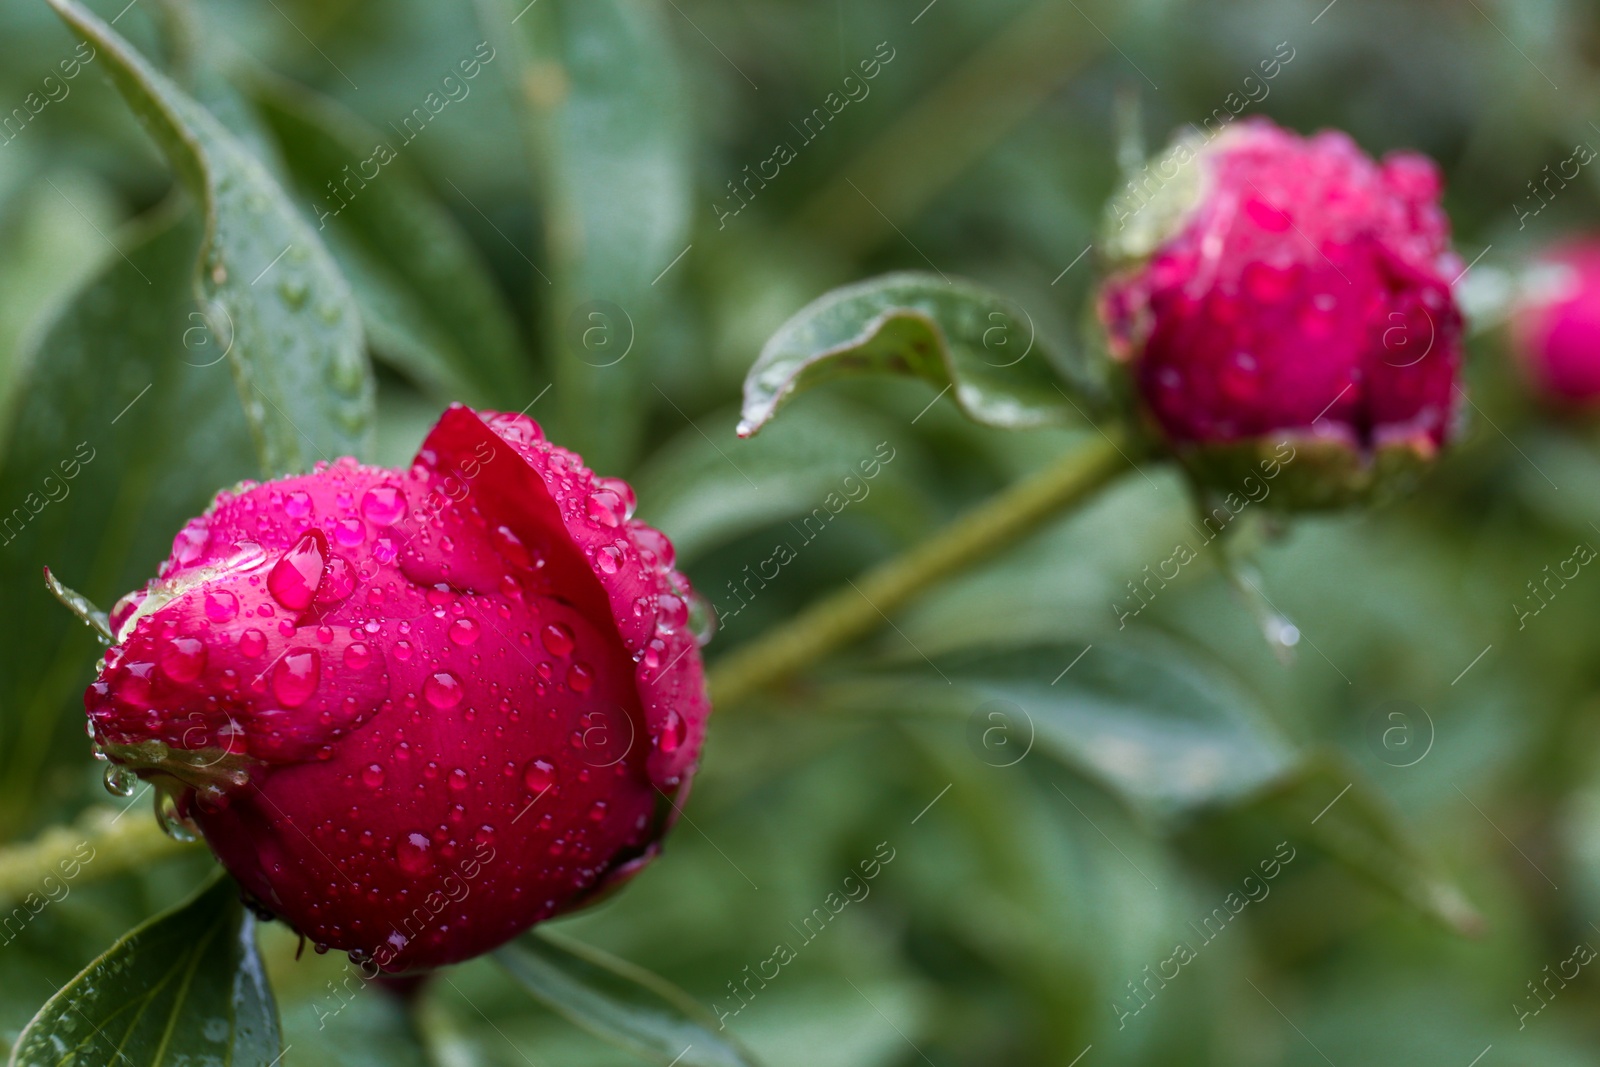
(619, 1002)
(185, 987)
(427, 300)
(274, 298)
(955, 335)
(610, 144)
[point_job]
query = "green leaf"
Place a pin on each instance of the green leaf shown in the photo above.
(622, 1003)
(427, 300)
(125, 424)
(599, 82)
(81, 606)
(955, 335)
(272, 294)
(1143, 717)
(185, 987)
(1351, 820)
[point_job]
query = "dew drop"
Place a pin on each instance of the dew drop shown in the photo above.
(349, 532)
(184, 659)
(464, 631)
(295, 577)
(510, 547)
(252, 643)
(120, 781)
(357, 656)
(672, 612)
(221, 606)
(383, 505)
(557, 638)
(297, 505)
(605, 507)
(458, 779)
(580, 677)
(413, 853)
(372, 775)
(442, 690)
(609, 559)
(295, 676)
(538, 775)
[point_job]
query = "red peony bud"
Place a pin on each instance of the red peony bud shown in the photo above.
(415, 712)
(1555, 325)
(1269, 288)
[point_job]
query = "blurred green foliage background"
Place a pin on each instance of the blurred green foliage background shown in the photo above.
(1023, 902)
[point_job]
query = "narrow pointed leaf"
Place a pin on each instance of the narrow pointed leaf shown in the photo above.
(187, 987)
(621, 1003)
(271, 292)
(606, 108)
(79, 605)
(955, 335)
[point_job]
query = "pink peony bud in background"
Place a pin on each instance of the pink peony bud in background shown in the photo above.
(1270, 288)
(415, 712)
(1555, 324)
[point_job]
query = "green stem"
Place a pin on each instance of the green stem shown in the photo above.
(120, 844)
(853, 612)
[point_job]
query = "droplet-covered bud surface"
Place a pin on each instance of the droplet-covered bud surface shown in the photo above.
(1301, 294)
(1555, 325)
(415, 712)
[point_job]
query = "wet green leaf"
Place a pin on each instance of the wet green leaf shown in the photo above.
(272, 294)
(622, 1003)
(185, 987)
(955, 335)
(427, 300)
(130, 424)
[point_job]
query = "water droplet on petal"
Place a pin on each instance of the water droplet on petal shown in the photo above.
(413, 852)
(464, 631)
(184, 659)
(295, 676)
(609, 559)
(442, 690)
(383, 505)
(510, 547)
(557, 638)
(605, 508)
(295, 577)
(297, 505)
(372, 775)
(672, 612)
(458, 779)
(357, 656)
(349, 532)
(221, 606)
(252, 643)
(538, 775)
